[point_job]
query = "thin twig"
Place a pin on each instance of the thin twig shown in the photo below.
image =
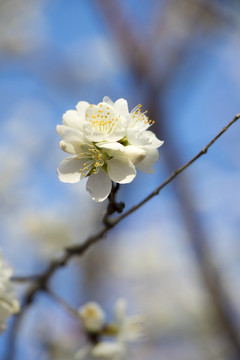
(41, 281)
(63, 303)
(21, 279)
(178, 171)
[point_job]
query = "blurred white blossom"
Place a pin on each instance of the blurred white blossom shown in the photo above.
(92, 316)
(123, 329)
(8, 302)
(129, 328)
(107, 350)
(107, 143)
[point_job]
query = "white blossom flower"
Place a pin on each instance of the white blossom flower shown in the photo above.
(107, 350)
(129, 328)
(104, 350)
(141, 144)
(124, 329)
(8, 302)
(107, 143)
(92, 316)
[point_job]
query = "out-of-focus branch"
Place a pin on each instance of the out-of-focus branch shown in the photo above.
(22, 279)
(138, 54)
(41, 281)
(137, 48)
(63, 303)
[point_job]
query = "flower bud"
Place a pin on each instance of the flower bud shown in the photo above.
(92, 316)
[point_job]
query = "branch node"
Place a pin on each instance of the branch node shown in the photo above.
(113, 206)
(108, 222)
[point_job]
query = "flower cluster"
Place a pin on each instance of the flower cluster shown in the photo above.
(123, 329)
(107, 143)
(8, 302)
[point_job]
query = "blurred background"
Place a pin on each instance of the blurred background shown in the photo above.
(177, 259)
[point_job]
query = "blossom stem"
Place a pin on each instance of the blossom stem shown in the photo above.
(113, 205)
(63, 303)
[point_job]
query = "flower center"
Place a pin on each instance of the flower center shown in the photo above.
(102, 118)
(140, 119)
(92, 159)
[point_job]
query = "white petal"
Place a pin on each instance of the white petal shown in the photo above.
(138, 120)
(72, 139)
(154, 142)
(83, 352)
(146, 165)
(67, 133)
(134, 153)
(99, 185)
(61, 129)
(81, 109)
(92, 316)
(120, 311)
(96, 135)
(69, 170)
(121, 170)
(132, 328)
(69, 148)
(107, 100)
(72, 119)
(112, 148)
(108, 350)
(121, 107)
(143, 138)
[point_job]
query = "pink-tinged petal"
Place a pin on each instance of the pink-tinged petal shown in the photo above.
(121, 107)
(121, 170)
(72, 119)
(99, 185)
(146, 165)
(81, 109)
(69, 170)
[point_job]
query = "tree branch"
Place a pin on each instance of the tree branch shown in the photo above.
(40, 282)
(113, 205)
(63, 303)
(138, 53)
(178, 171)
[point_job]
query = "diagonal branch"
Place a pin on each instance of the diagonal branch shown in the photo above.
(178, 171)
(40, 282)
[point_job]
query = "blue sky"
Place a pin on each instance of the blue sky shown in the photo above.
(59, 53)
